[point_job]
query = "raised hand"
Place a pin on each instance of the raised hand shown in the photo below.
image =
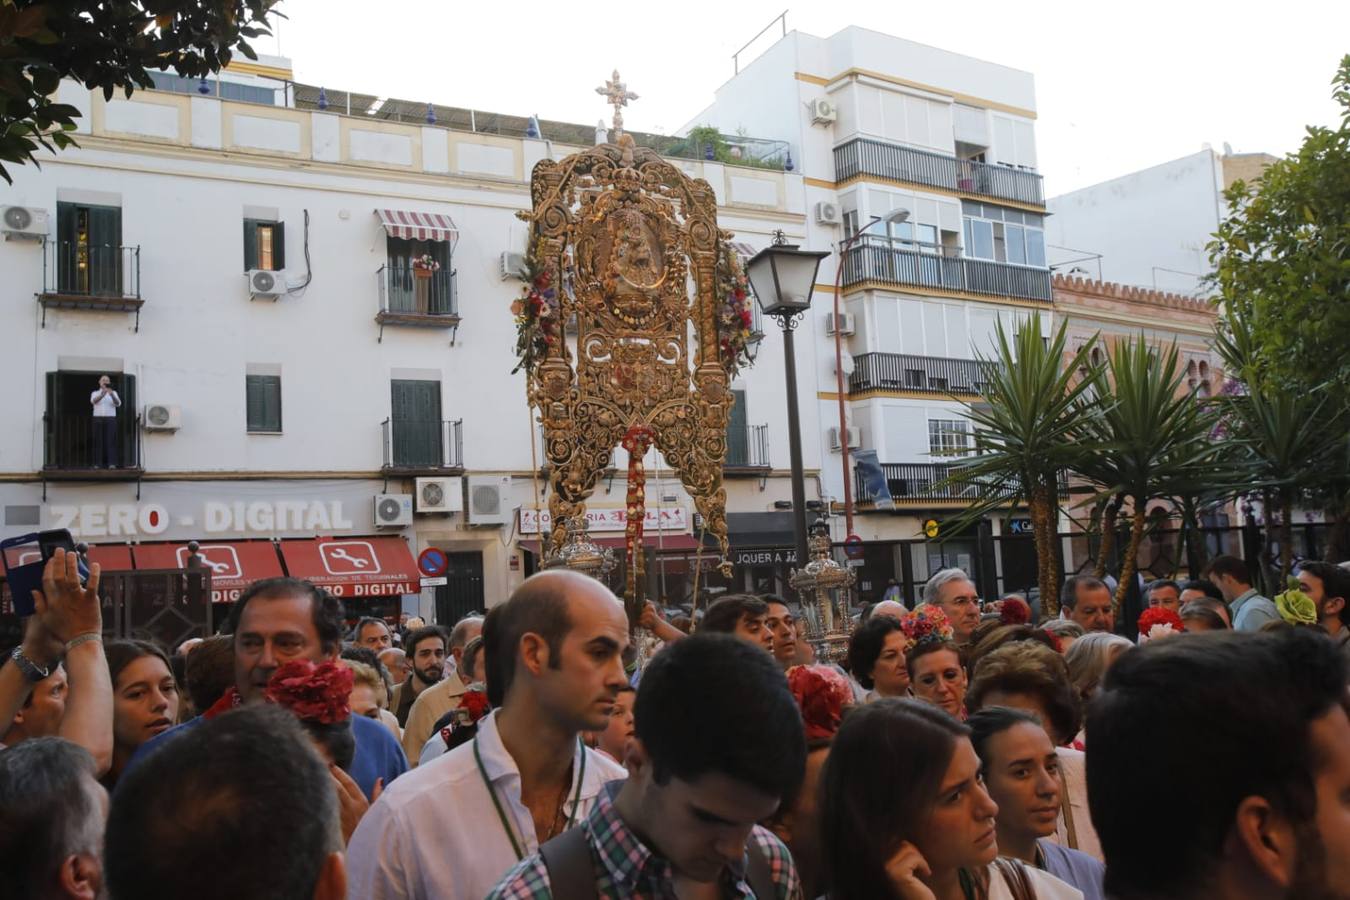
(65, 607)
(905, 869)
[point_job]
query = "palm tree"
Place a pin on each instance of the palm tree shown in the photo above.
(1151, 441)
(1293, 440)
(1024, 439)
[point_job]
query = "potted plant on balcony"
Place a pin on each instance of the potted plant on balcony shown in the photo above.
(425, 266)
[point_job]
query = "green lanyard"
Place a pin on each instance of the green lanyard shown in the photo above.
(497, 804)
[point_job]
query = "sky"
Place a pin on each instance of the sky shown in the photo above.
(1120, 86)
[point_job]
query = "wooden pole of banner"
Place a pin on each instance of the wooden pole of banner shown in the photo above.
(534, 480)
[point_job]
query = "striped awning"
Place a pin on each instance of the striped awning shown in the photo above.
(417, 226)
(743, 250)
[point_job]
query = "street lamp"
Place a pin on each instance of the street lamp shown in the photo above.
(783, 278)
(895, 215)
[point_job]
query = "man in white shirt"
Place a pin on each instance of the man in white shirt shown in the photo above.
(105, 402)
(451, 828)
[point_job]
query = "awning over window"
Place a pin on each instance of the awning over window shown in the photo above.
(234, 565)
(418, 226)
(743, 250)
(354, 567)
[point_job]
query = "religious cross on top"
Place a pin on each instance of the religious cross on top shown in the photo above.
(617, 95)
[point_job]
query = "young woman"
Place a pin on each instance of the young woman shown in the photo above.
(876, 657)
(937, 675)
(1022, 775)
(145, 699)
(905, 814)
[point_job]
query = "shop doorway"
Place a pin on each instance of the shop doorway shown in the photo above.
(462, 594)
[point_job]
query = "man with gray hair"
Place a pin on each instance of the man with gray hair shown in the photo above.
(52, 812)
(952, 591)
(441, 697)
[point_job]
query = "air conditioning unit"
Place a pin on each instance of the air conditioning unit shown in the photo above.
(844, 324)
(23, 222)
(512, 265)
(490, 500)
(265, 283)
(393, 510)
(854, 438)
(440, 495)
(823, 111)
(827, 213)
(162, 417)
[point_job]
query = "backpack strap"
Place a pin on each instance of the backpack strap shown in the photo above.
(758, 873)
(1015, 876)
(568, 860)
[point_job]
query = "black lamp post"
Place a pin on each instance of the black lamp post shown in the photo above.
(783, 278)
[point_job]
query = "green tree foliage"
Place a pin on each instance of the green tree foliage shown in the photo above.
(109, 45)
(1282, 260)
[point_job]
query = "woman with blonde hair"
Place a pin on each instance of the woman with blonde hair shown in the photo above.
(370, 698)
(1090, 657)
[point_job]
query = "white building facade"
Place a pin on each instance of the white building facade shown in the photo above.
(930, 158)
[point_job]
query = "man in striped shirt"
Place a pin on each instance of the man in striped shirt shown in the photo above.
(719, 746)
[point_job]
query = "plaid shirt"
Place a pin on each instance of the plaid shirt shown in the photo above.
(625, 868)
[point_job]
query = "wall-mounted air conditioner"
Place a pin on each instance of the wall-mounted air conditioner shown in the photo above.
(823, 111)
(393, 510)
(439, 495)
(161, 417)
(854, 438)
(265, 283)
(23, 222)
(490, 500)
(844, 325)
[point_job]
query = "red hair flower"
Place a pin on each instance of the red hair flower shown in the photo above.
(1014, 611)
(927, 623)
(822, 693)
(1158, 621)
(314, 693)
(476, 703)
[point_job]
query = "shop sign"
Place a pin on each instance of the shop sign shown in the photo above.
(774, 557)
(671, 520)
(1019, 525)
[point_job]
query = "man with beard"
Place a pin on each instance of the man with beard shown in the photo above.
(426, 655)
(1252, 803)
(450, 829)
(446, 693)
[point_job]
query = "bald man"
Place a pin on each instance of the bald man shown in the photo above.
(452, 828)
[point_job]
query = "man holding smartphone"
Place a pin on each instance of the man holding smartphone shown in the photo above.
(105, 402)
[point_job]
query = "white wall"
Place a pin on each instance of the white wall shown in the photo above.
(1151, 226)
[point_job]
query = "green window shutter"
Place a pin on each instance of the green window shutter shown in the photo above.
(738, 447)
(250, 244)
(272, 402)
(253, 390)
(279, 245)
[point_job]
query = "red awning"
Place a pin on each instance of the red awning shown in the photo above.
(354, 567)
(234, 564)
(417, 226)
(668, 543)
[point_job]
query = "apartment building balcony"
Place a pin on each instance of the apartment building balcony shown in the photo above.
(97, 278)
(747, 450)
(417, 298)
(79, 447)
(881, 260)
(894, 162)
(912, 484)
(905, 373)
(423, 446)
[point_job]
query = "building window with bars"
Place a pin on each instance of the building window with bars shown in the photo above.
(263, 402)
(948, 437)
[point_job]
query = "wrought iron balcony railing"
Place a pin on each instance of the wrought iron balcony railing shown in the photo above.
(920, 481)
(881, 259)
(405, 291)
(903, 372)
(867, 156)
(79, 444)
(412, 445)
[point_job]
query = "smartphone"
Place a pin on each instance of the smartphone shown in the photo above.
(26, 556)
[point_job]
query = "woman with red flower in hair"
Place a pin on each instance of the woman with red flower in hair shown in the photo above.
(937, 670)
(822, 693)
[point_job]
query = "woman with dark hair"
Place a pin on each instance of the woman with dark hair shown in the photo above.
(145, 699)
(936, 666)
(876, 658)
(1022, 775)
(926, 834)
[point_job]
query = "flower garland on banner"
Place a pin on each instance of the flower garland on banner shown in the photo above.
(735, 320)
(638, 439)
(1158, 621)
(536, 310)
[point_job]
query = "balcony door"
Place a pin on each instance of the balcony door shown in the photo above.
(88, 249)
(738, 432)
(71, 441)
(415, 414)
(407, 292)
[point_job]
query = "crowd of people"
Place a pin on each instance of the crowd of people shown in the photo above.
(959, 750)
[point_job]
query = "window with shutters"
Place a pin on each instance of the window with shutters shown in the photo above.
(263, 401)
(89, 256)
(264, 245)
(738, 434)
